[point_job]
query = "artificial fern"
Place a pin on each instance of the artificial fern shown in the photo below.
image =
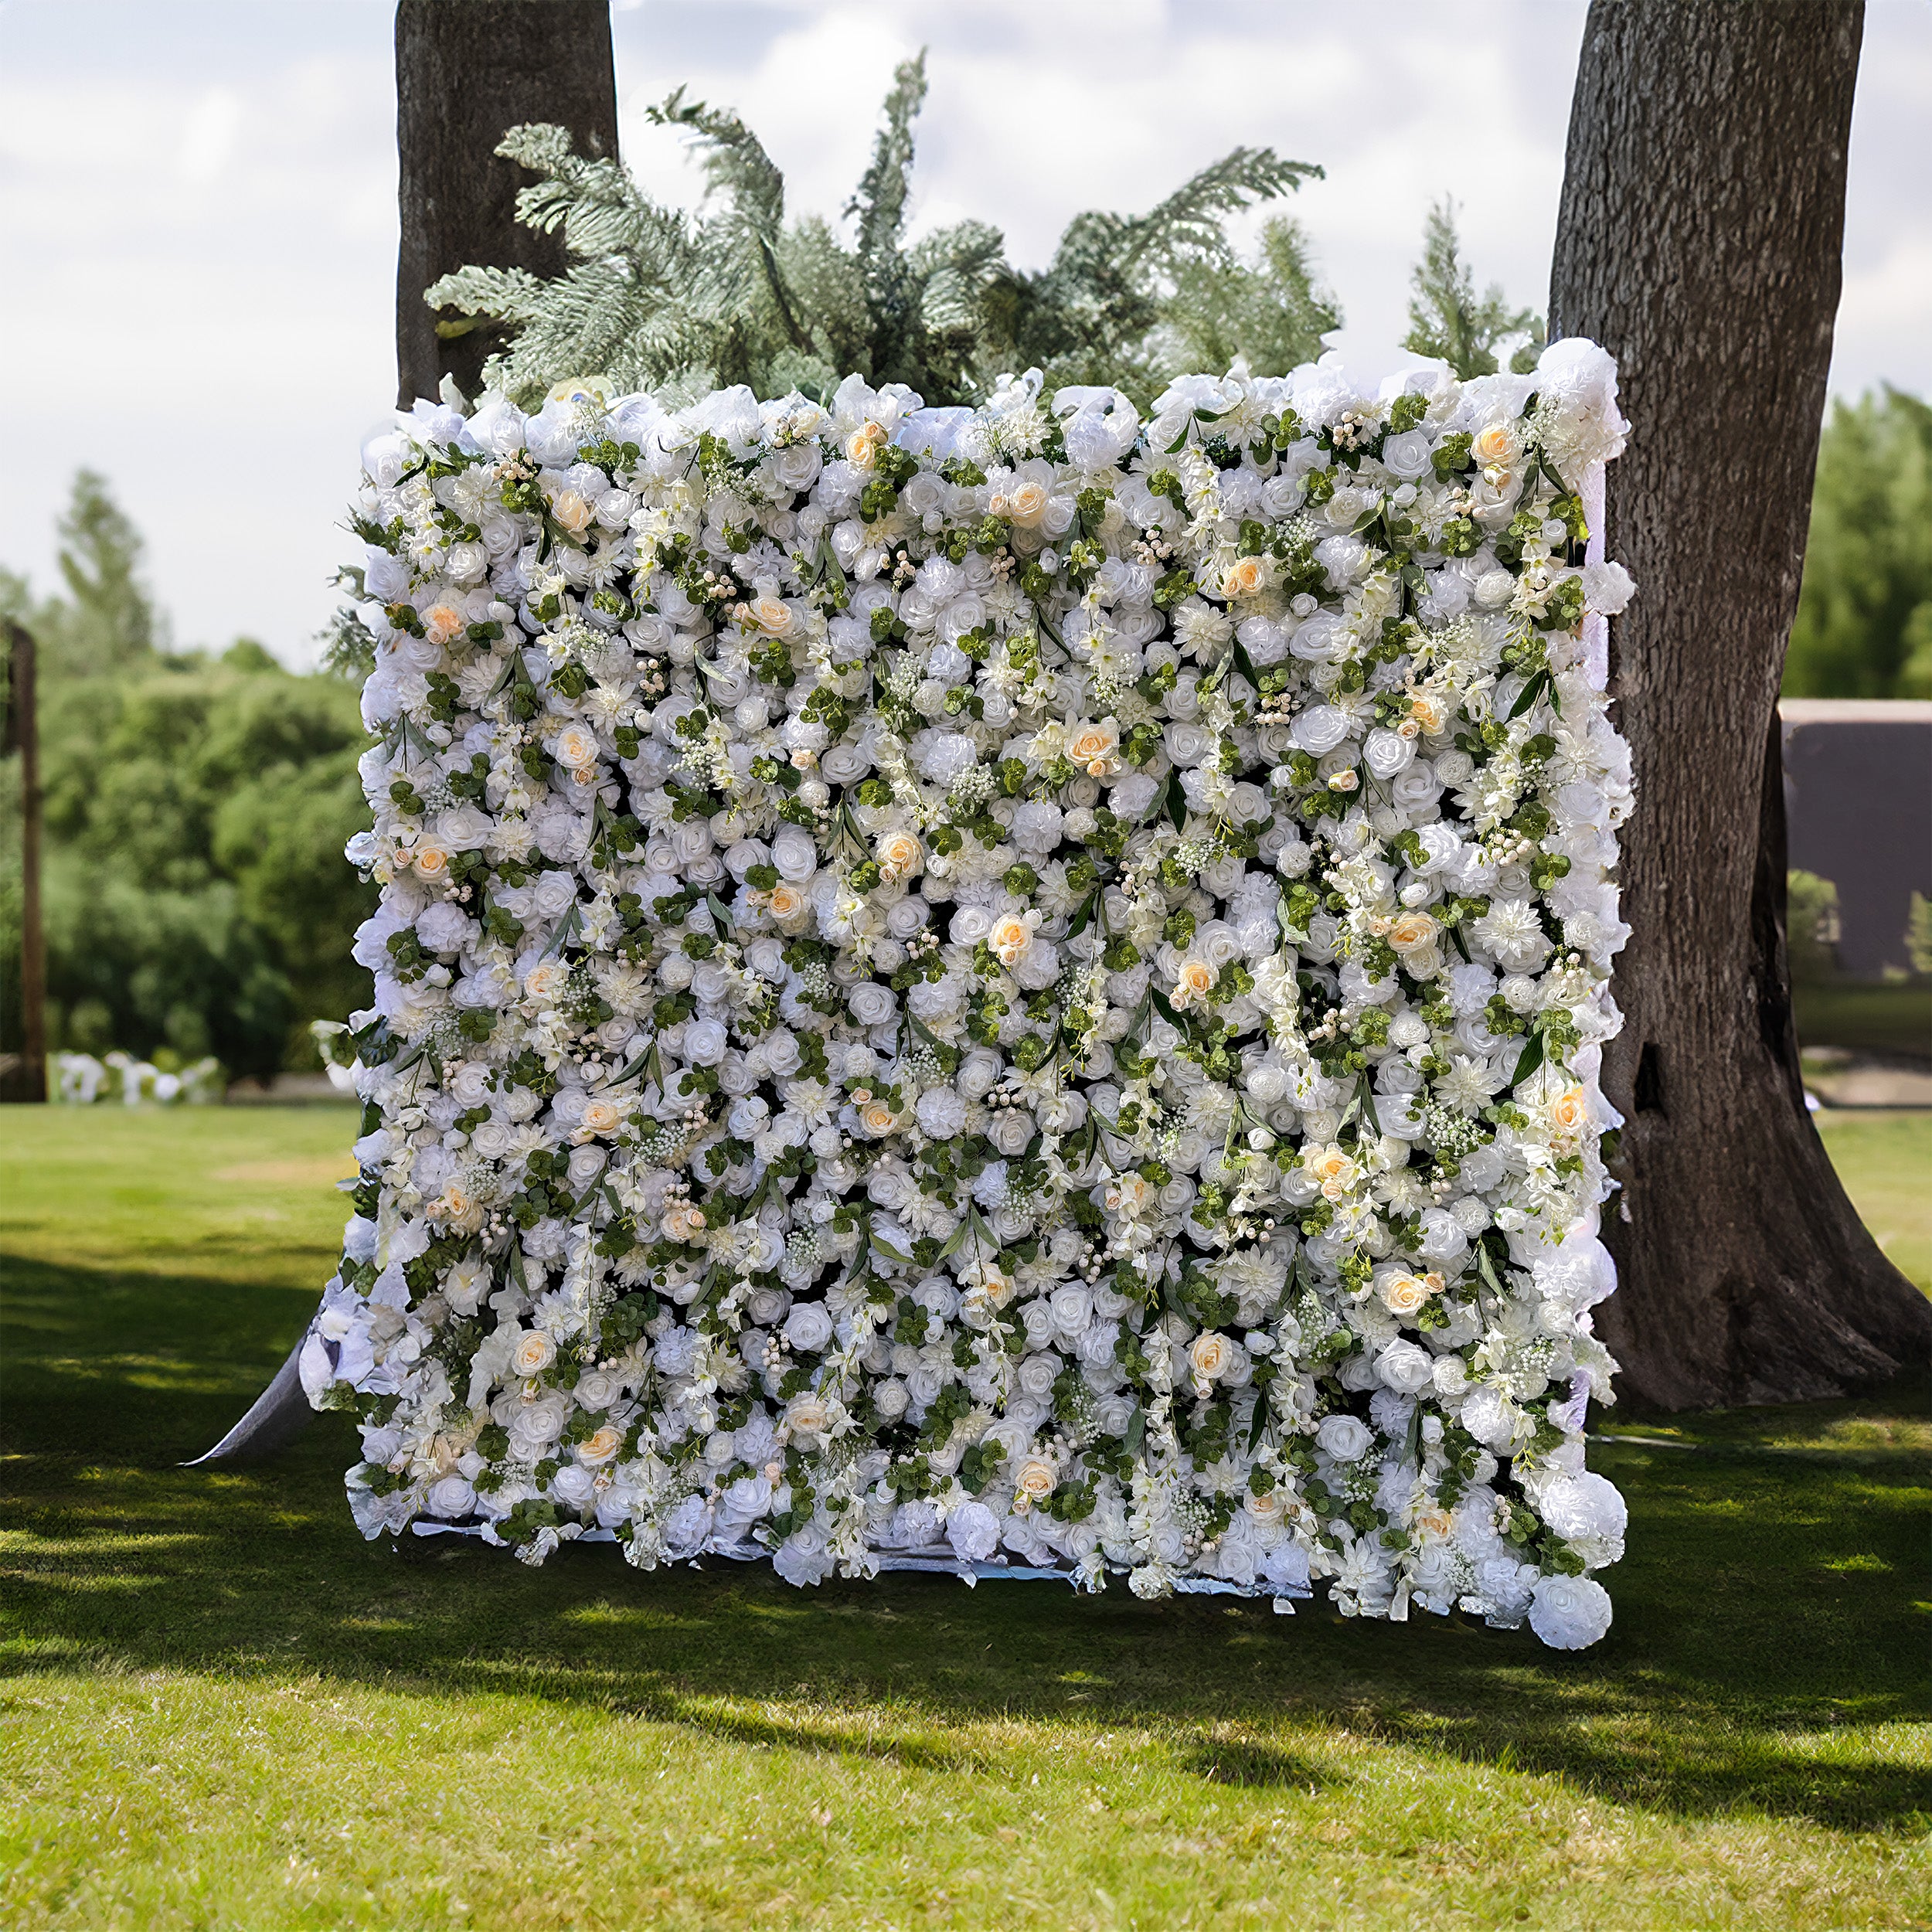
(1447, 318)
(663, 299)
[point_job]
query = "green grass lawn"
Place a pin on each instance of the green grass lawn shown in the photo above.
(222, 1710)
(1885, 1160)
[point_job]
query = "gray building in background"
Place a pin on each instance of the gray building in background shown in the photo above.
(1858, 795)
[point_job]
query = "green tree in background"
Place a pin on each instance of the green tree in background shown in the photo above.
(1447, 318)
(197, 898)
(1864, 624)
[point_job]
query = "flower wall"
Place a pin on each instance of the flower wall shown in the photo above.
(1013, 990)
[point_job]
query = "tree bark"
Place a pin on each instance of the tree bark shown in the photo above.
(466, 72)
(28, 1081)
(1700, 242)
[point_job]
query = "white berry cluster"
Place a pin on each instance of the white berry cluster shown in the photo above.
(1002, 986)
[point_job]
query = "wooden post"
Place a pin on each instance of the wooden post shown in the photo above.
(466, 72)
(29, 1081)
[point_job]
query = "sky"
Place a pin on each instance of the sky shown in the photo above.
(198, 208)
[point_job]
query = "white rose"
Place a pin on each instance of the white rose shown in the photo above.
(794, 853)
(1587, 1506)
(1569, 1613)
(1320, 729)
(705, 1042)
(1405, 1366)
(1407, 455)
(1347, 1438)
(1387, 753)
(870, 1003)
(809, 1326)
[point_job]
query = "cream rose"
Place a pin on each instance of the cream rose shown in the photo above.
(571, 510)
(771, 615)
(1404, 1294)
(1034, 1480)
(863, 444)
(808, 1415)
(601, 1448)
(534, 1352)
(1210, 1356)
(1024, 504)
(900, 855)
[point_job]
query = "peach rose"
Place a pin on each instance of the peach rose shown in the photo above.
(441, 625)
(1011, 937)
(1495, 448)
(1411, 932)
(1243, 577)
(899, 854)
(1194, 981)
(601, 1447)
(684, 1223)
(1095, 746)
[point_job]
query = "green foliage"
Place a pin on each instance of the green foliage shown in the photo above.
(197, 898)
(1812, 927)
(658, 298)
(1864, 624)
(1447, 318)
(1918, 933)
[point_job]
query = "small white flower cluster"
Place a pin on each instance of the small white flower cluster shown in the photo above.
(81, 1081)
(996, 987)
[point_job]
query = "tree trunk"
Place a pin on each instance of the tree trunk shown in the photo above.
(466, 71)
(28, 1080)
(1699, 241)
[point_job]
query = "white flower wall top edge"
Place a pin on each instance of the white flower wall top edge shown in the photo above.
(1011, 986)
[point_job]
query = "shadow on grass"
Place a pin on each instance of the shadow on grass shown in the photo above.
(1772, 1607)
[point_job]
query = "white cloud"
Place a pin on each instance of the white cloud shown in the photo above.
(197, 212)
